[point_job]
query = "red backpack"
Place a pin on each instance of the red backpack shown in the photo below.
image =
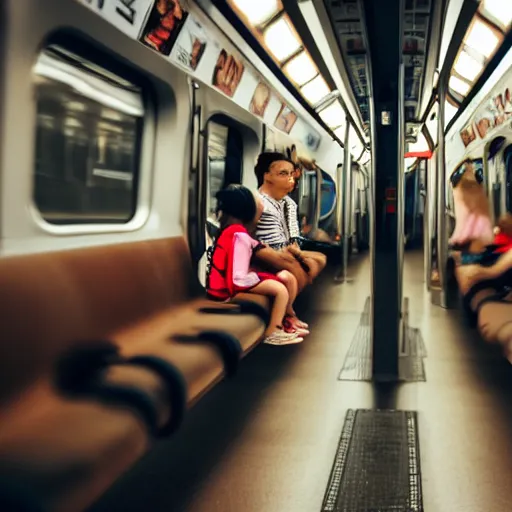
(219, 280)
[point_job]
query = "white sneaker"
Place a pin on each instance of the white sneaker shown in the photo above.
(283, 338)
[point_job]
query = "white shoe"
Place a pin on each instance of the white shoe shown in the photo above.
(283, 338)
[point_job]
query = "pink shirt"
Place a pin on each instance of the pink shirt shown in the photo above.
(243, 246)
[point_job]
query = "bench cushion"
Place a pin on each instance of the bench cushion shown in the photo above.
(138, 295)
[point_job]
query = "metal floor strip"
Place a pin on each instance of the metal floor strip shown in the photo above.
(377, 464)
(358, 361)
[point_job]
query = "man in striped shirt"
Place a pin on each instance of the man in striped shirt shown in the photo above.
(278, 226)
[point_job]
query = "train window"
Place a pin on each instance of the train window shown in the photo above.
(88, 140)
(225, 161)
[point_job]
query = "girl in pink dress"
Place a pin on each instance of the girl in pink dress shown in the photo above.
(473, 226)
(230, 270)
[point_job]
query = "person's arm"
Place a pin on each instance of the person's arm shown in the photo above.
(243, 277)
(292, 220)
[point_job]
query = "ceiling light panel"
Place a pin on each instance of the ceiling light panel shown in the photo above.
(458, 85)
(257, 12)
(281, 39)
(499, 11)
(467, 66)
(301, 69)
(315, 90)
(482, 39)
(333, 116)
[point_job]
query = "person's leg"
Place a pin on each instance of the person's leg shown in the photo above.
(290, 282)
(275, 333)
(292, 321)
(279, 293)
(281, 260)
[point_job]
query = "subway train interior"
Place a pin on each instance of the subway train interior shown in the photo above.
(255, 255)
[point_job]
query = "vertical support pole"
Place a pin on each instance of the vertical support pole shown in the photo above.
(339, 200)
(432, 215)
(384, 29)
(347, 201)
(439, 295)
(427, 254)
(339, 216)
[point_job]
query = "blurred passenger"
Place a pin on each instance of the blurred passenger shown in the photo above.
(473, 226)
(496, 259)
(230, 271)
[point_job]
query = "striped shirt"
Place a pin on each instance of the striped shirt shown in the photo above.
(292, 217)
(278, 225)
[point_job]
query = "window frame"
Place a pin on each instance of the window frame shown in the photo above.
(229, 123)
(143, 175)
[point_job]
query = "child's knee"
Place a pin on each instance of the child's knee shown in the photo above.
(286, 276)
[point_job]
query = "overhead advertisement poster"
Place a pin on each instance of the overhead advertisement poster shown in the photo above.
(190, 45)
(495, 111)
(468, 135)
(164, 24)
(286, 119)
(260, 99)
(188, 40)
(227, 73)
(127, 16)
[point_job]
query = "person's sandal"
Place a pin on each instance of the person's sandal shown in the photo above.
(283, 338)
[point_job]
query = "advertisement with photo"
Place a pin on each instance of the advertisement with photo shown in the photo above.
(484, 122)
(190, 45)
(468, 135)
(227, 73)
(260, 99)
(286, 119)
(128, 16)
(164, 24)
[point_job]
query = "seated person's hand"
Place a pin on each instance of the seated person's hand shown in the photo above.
(456, 256)
(294, 249)
(287, 256)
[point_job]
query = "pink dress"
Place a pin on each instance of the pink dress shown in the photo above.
(470, 226)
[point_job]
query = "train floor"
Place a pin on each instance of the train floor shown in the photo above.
(265, 441)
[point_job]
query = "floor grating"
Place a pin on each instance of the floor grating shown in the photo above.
(377, 464)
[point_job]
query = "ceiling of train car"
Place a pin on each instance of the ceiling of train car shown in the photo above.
(346, 19)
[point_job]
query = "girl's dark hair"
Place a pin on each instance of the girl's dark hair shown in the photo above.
(236, 201)
(265, 160)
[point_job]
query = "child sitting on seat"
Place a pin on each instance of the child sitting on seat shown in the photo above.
(229, 271)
